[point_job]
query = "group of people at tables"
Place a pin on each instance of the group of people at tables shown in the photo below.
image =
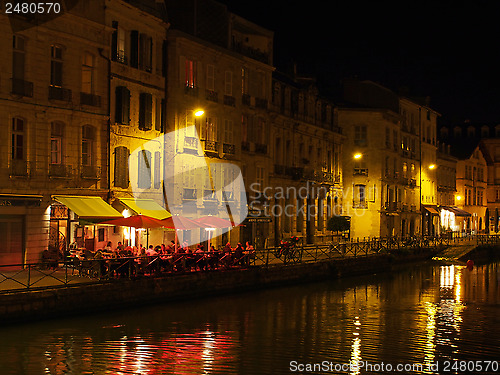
(171, 257)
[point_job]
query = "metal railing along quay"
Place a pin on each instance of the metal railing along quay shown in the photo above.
(74, 271)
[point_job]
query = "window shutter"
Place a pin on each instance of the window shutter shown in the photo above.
(157, 114)
(145, 111)
(134, 49)
(144, 166)
(164, 58)
(114, 41)
(122, 105)
(163, 116)
(121, 167)
(157, 175)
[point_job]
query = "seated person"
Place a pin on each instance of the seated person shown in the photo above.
(151, 252)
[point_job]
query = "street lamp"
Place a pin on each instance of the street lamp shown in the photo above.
(199, 112)
(358, 156)
(432, 166)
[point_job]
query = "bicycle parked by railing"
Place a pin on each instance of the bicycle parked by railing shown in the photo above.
(288, 250)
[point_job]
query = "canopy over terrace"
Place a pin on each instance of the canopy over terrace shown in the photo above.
(146, 207)
(90, 208)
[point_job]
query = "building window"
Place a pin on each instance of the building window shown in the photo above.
(88, 139)
(210, 131)
(134, 49)
(118, 44)
(88, 73)
(244, 81)
(18, 139)
(259, 178)
(122, 105)
(157, 170)
(210, 77)
(395, 140)
(145, 52)
(56, 137)
(121, 167)
(144, 169)
(360, 135)
(228, 83)
(359, 198)
(190, 80)
(145, 111)
(387, 138)
(56, 66)
(228, 132)
(18, 58)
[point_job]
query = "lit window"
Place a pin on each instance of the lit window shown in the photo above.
(56, 136)
(190, 74)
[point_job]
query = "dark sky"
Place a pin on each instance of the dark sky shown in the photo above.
(448, 50)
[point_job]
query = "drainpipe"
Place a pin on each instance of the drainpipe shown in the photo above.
(108, 128)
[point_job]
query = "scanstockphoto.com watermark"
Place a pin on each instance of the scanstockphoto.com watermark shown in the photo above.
(406, 368)
(291, 201)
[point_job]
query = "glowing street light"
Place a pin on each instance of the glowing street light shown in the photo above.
(458, 197)
(358, 156)
(432, 166)
(199, 112)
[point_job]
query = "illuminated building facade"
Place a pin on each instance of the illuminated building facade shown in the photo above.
(53, 101)
(423, 121)
(137, 63)
(226, 71)
(305, 148)
(381, 161)
(490, 148)
(475, 168)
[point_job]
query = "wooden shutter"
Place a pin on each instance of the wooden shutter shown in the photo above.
(122, 105)
(145, 111)
(114, 41)
(134, 49)
(144, 169)
(121, 167)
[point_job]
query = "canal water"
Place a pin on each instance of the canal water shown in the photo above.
(421, 319)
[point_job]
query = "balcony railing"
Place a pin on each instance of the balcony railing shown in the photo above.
(230, 100)
(60, 170)
(227, 196)
(209, 195)
(359, 204)
(191, 90)
(391, 206)
(90, 172)
(120, 57)
(212, 96)
(245, 99)
(360, 172)
(279, 169)
(58, 93)
(90, 99)
(261, 103)
(212, 146)
(19, 168)
(191, 142)
(260, 148)
(189, 194)
(228, 149)
(22, 87)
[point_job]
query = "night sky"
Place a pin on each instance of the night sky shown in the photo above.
(448, 50)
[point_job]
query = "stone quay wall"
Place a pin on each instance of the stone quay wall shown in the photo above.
(32, 305)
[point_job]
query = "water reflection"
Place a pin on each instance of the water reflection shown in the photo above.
(418, 315)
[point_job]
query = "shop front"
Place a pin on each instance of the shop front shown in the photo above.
(16, 212)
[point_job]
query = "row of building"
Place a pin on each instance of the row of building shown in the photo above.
(98, 109)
